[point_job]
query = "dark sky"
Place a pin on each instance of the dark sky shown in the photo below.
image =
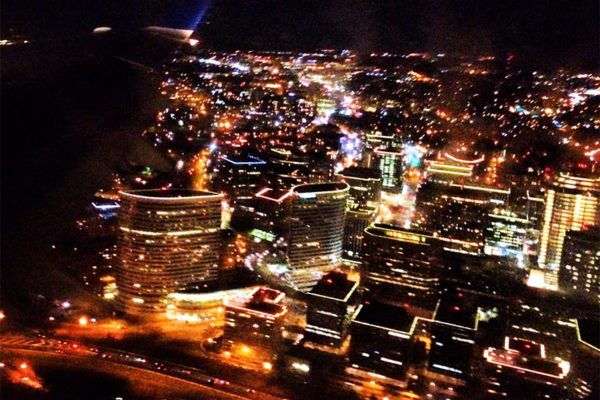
(542, 31)
(561, 31)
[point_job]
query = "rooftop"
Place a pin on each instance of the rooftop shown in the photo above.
(455, 308)
(263, 301)
(335, 285)
(360, 172)
(168, 194)
(587, 234)
(243, 160)
(385, 316)
(399, 233)
(320, 187)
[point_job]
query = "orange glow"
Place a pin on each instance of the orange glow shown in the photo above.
(267, 366)
(83, 321)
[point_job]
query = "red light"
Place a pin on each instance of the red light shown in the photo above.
(456, 308)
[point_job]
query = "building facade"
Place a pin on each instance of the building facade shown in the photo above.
(571, 203)
(330, 304)
(254, 320)
(580, 265)
(363, 201)
(317, 217)
(168, 239)
(399, 264)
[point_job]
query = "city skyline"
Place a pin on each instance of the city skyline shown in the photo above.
(300, 200)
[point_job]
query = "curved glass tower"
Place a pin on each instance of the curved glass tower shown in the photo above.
(167, 239)
(318, 214)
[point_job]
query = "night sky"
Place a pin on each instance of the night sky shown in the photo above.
(559, 32)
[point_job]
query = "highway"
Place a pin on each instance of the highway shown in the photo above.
(22, 343)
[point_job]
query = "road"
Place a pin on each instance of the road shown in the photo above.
(22, 344)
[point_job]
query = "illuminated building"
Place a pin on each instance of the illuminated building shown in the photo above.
(389, 161)
(505, 234)
(287, 167)
(255, 320)
(240, 178)
(329, 308)
(399, 264)
(363, 201)
(580, 265)
(381, 339)
(571, 203)
(271, 211)
(317, 216)
(453, 336)
(448, 168)
(326, 106)
(195, 306)
(354, 232)
(458, 214)
(168, 239)
(365, 187)
(522, 367)
(535, 210)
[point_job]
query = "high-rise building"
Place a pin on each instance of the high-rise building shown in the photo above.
(453, 333)
(272, 211)
(522, 367)
(400, 264)
(330, 304)
(354, 233)
(458, 214)
(381, 340)
(363, 201)
(240, 177)
(505, 234)
(254, 320)
(572, 202)
(318, 213)
(168, 240)
(389, 161)
(365, 187)
(580, 265)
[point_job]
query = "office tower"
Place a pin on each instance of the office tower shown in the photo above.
(330, 304)
(287, 167)
(317, 217)
(572, 202)
(389, 161)
(400, 264)
(580, 263)
(354, 234)
(272, 210)
(363, 201)
(168, 239)
(458, 214)
(453, 333)
(240, 177)
(381, 340)
(254, 322)
(445, 170)
(505, 234)
(522, 367)
(364, 187)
